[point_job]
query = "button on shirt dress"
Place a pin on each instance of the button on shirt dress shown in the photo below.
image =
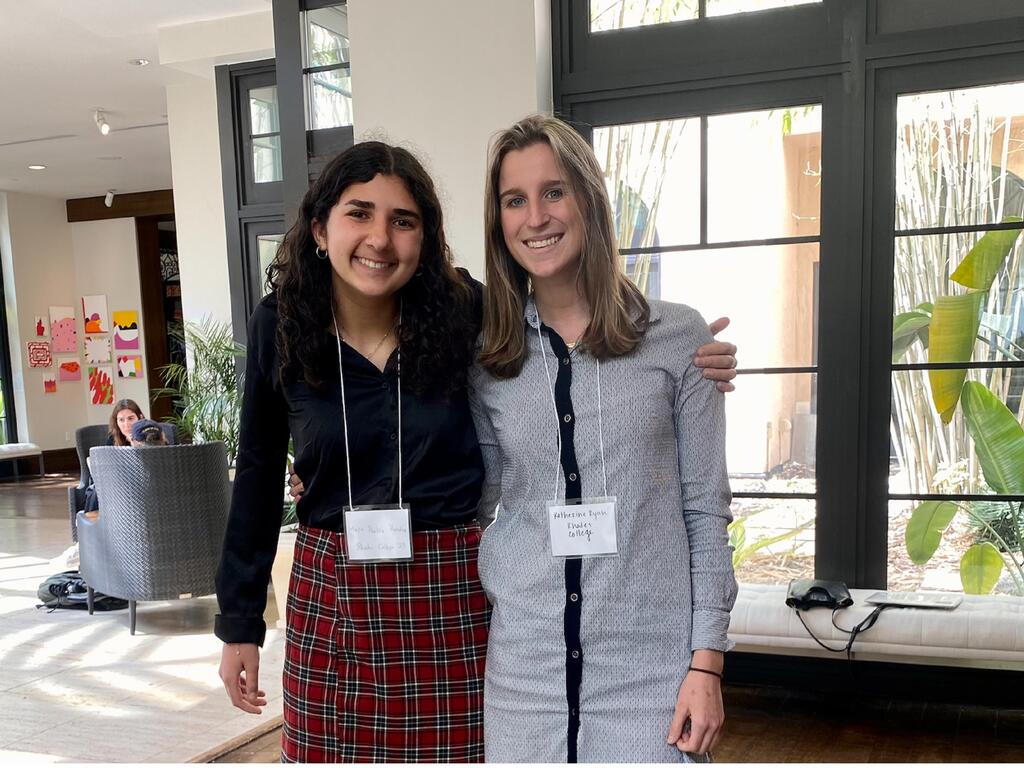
(586, 656)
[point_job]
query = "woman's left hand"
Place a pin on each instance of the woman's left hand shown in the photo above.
(700, 703)
(718, 359)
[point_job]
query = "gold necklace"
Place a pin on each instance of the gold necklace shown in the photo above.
(376, 348)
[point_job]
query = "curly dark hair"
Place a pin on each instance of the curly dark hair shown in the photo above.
(439, 324)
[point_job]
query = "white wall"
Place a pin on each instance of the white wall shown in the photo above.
(39, 271)
(195, 49)
(198, 200)
(107, 263)
(441, 78)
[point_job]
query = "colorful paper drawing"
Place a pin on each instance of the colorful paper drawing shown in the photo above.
(126, 330)
(94, 312)
(39, 354)
(97, 349)
(49, 386)
(101, 386)
(69, 370)
(129, 366)
(62, 329)
(40, 326)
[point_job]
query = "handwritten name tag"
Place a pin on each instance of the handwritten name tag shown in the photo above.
(586, 528)
(378, 533)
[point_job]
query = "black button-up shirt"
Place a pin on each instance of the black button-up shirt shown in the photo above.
(442, 468)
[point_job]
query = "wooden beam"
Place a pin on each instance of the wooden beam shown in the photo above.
(157, 203)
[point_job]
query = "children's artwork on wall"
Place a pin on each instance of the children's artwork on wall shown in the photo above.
(49, 386)
(126, 330)
(69, 370)
(101, 386)
(129, 366)
(94, 311)
(97, 349)
(40, 326)
(62, 329)
(39, 354)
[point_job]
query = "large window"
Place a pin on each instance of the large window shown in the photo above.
(326, 67)
(730, 203)
(845, 180)
(958, 297)
(622, 14)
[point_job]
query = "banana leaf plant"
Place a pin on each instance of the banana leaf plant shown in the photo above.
(999, 441)
(948, 330)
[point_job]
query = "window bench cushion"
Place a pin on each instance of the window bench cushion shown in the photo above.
(983, 631)
(18, 450)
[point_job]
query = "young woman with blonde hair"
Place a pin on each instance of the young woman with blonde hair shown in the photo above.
(608, 565)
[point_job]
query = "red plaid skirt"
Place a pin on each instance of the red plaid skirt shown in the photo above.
(384, 662)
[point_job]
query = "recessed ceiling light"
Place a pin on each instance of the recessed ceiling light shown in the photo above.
(37, 167)
(101, 121)
(138, 62)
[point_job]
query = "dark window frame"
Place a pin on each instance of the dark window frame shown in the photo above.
(240, 210)
(10, 425)
(837, 50)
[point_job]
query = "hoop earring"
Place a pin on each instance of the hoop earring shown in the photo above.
(320, 253)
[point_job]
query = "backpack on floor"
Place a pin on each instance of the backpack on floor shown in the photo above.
(69, 590)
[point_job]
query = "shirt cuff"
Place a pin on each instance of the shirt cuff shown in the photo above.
(240, 629)
(711, 631)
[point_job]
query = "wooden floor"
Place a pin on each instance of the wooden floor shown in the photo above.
(772, 726)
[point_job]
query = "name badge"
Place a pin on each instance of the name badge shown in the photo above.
(583, 527)
(378, 533)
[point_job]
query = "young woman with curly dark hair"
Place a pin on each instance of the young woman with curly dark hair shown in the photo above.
(360, 352)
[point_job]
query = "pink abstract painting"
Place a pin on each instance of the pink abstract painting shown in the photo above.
(69, 370)
(62, 329)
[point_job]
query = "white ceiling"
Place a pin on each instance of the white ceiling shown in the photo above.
(59, 60)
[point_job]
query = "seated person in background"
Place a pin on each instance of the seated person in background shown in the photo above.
(146, 433)
(125, 414)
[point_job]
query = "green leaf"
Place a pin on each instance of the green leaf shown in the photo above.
(906, 327)
(951, 332)
(980, 568)
(983, 262)
(998, 438)
(737, 537)
(926, 306)
(909, 323)
(925, 529)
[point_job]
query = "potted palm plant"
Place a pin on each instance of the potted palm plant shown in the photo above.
(207, 397)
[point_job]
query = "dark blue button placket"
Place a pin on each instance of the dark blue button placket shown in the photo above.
(573, 566)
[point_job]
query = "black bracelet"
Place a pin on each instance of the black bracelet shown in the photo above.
(706, 672)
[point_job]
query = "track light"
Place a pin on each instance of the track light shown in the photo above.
(101, 122)
(108, 200)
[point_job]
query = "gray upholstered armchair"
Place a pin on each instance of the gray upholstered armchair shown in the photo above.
(163, 511)
(87, 438)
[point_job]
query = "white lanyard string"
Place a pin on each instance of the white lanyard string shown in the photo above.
(344, 410)
(558, 423)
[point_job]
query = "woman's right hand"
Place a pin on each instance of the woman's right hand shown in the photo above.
(240, 671)
(295, 487)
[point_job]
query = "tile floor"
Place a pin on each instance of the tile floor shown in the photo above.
(154, 697)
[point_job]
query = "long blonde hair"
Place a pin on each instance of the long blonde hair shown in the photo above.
(619, 311)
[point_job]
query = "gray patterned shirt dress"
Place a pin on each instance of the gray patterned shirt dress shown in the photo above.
(586, 656)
